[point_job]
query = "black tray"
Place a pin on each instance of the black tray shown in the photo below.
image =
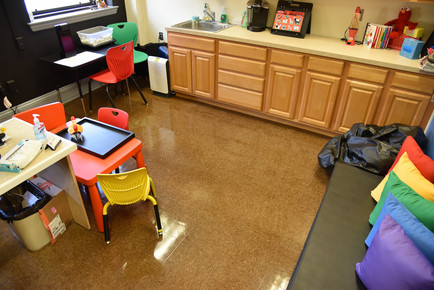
(100, 139)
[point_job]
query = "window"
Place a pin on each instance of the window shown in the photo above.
(44, 14)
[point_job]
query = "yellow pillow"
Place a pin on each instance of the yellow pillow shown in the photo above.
(410, 175)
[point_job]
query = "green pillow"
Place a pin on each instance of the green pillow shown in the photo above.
(421, 208)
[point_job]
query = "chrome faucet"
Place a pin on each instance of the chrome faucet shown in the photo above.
(209, 13)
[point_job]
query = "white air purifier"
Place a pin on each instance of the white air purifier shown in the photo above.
(159, 76)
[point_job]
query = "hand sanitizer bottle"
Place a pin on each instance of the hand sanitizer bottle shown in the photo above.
(39, 128)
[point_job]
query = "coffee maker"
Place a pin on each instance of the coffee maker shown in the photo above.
(257, 13)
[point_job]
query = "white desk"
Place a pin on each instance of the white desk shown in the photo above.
(54, 166)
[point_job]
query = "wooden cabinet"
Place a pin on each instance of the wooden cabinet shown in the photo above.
(320, 94)
(320, 91)
(284, 76)
(203, 74)
(180, 69)
(192, 65)
(407, 99)
(360, 96)
(241, 75)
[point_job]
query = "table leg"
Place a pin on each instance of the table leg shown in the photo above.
(97, 206)
(139, 159)
(81, 95)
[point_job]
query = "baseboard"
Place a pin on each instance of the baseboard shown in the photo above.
(67, 94)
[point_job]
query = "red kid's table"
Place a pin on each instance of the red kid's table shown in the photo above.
(87, 166)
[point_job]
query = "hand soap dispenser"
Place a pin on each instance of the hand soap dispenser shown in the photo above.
(39, 128)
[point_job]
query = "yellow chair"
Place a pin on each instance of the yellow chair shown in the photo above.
(127, 188)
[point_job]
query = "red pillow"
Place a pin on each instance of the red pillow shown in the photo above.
(422, 162)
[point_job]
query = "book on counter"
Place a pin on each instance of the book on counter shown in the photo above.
(376, 35)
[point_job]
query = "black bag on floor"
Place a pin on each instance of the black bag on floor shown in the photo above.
(370, 147)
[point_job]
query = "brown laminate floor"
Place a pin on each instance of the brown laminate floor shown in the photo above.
(237, 196)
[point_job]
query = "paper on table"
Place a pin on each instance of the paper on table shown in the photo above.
(79, 59)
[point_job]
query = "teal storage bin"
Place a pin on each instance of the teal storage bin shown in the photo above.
(411, 48)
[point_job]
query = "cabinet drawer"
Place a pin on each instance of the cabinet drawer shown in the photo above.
(423, 84)
(206, 44)
(243, 50)
(286, 58)
(367, 73)
(240, 97)
(242, 65)
(325, 65)
(241, 80)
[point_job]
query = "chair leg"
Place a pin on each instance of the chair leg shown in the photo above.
(138, 88)
(90, 94)
(110, 98)
(157, 217)
(153, 192)
(106, 228)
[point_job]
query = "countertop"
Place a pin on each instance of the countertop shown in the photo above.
(312, 44)
(18, 130)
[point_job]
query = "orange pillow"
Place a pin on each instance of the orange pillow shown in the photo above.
(422, 162)
(410, 175)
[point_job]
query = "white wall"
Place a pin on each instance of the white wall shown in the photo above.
(329, 17)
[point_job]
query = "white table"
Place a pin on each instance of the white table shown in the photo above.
(54, 166)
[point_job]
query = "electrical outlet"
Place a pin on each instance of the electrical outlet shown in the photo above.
(20, 43)
(12, 88)
(160, 36)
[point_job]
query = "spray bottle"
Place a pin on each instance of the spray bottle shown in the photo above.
(39, 128)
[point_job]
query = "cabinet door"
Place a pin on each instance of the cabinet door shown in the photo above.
(318, 99)
(404, 107)
(283, 85)
(358, 104)
(203, 69)
(180, 69)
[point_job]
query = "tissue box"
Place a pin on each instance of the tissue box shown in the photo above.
(416, 33)
(411, 48)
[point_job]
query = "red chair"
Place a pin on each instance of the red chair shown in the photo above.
(120, 62)
(115, 117)
(52, 115)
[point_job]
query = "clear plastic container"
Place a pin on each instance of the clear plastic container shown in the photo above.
(95, 35)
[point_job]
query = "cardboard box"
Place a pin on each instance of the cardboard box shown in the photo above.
(56, 214)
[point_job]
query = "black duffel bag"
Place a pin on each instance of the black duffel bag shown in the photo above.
(369, 147)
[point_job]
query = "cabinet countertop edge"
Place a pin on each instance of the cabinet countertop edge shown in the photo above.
(313, 44)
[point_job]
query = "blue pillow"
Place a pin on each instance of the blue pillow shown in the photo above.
(419, 234)
(394, 262)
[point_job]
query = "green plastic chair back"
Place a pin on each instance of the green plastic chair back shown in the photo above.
(124, 32)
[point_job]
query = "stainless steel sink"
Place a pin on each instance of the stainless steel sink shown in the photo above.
(202, 25)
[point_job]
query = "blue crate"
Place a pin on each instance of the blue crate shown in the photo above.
(411, 48)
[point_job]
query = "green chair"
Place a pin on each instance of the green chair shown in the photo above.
(124, 32)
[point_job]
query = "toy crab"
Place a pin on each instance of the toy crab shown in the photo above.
(75, 131)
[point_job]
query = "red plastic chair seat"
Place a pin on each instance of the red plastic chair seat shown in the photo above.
(105, 76)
